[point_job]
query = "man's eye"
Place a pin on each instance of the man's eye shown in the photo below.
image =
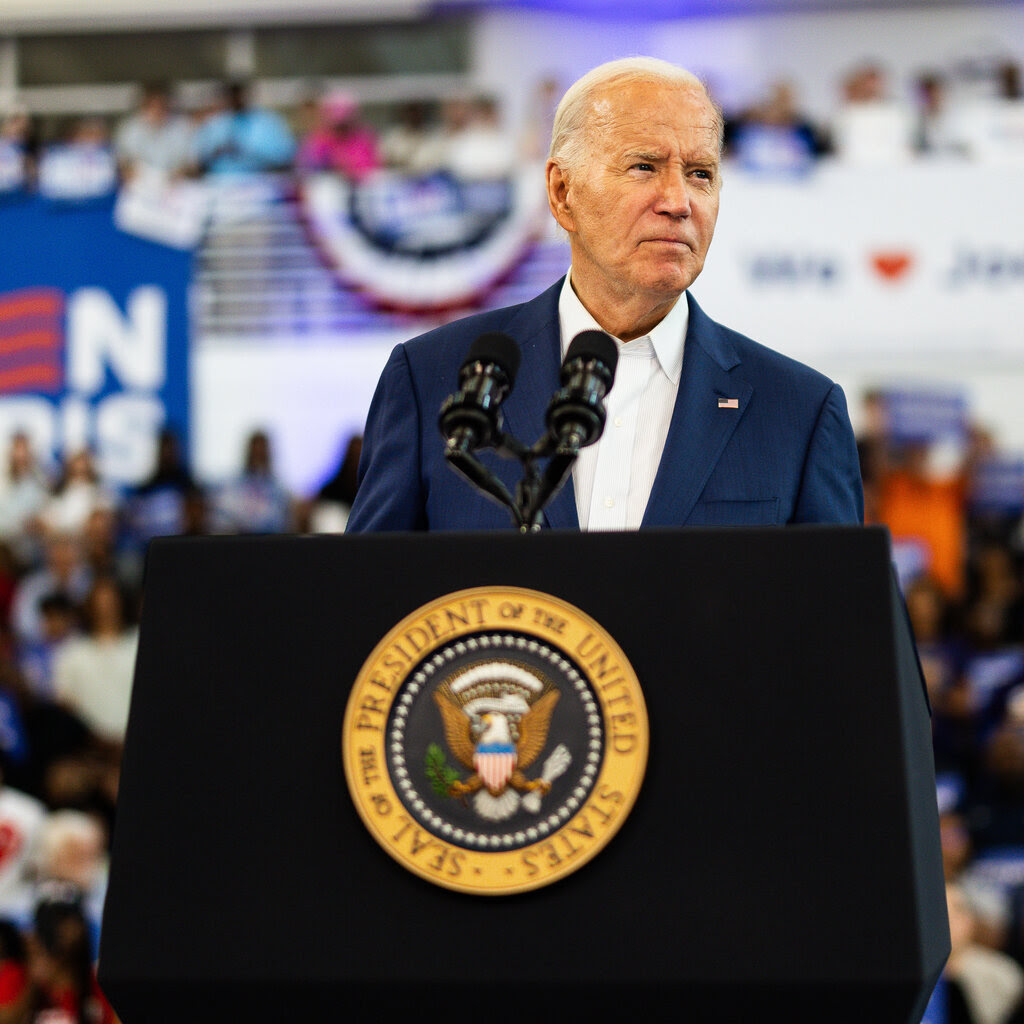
(643, 167)
(705, 175)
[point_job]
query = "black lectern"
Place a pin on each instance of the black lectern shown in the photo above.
(781, 861)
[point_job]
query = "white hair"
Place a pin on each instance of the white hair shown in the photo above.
(568, 135)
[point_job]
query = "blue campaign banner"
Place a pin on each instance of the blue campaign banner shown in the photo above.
(93, 335)
(998, 485)
(923, 415)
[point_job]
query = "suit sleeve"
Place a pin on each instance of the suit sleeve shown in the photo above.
(390, 493)
(830, 485)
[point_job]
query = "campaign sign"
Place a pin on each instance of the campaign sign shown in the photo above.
(998, 485)
(93, 336)
(920, 414)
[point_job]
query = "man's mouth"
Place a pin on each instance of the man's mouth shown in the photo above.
(670, 241)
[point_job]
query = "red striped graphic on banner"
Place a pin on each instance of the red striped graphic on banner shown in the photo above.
(31, 341)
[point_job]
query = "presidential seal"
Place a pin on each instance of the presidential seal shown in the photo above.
(495, 740)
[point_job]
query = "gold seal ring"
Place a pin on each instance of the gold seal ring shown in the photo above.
(495, 740)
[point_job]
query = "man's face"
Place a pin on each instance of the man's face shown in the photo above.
(641, 209)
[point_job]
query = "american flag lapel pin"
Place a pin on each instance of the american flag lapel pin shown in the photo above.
(728, 403)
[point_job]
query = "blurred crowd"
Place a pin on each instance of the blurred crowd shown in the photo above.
(874, 121)
(233, 135)
(959, 551)
(71, 558)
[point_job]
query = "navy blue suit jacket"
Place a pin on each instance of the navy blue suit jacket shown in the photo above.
(785, 455)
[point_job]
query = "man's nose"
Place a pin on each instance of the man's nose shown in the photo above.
(674, 194)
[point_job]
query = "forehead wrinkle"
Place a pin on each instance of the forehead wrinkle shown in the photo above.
(610, 112)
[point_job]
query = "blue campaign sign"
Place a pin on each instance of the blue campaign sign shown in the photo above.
(998, 485)
(920, 414)
(93, 335)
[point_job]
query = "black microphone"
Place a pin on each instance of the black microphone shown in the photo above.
(471, 418)
(576, 414)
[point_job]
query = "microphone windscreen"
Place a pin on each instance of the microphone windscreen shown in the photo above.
(495, 347)
(594, 345)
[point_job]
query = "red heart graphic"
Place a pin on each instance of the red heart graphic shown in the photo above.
(892, 265)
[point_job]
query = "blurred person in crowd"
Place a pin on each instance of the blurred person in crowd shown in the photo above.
(99, 542)
(995, 800)
(339, 142)
(481, 150)
(92, 673)
(988, 900)
(402, 144)
(61, 962)
(240, 138)
(78, 492)
(10, 574)
(90, 138)
(983, 986)
(15, 991)
(774, 135)
(63, 572)
(47, 752)
(21, 823)
(256, 501)
(19, 150)
(332, 503)
(433, 153)
(866, 83)
(994, 666)
(872, 449)
(24, 492)
(634, 178)
(1008, 81)
(81, 167)
(158, 506)
(942, 659)
(154, 138)
(870, 127)
(59, 621)
(923, 501)
(936, 126)
(71, 848)
(90, 133)
(995, 601)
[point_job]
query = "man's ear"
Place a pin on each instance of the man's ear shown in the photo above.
(558, 196)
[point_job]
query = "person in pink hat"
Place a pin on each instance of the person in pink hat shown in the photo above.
(339, 142)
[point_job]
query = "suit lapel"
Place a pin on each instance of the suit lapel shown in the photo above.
(535, 328)
(699, 429)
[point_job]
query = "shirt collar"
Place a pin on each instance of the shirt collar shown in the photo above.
(667, 337)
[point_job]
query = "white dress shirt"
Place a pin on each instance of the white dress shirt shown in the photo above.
(613, 478)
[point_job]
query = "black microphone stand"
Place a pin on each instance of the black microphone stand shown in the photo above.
(472, 420)
(535, 489)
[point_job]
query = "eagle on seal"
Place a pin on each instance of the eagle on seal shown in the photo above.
(496, 719)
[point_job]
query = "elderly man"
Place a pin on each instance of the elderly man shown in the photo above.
(705, 426)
